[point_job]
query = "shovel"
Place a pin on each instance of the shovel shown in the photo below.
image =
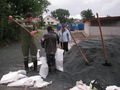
(106, 63)
(23, 28)
(80, 50)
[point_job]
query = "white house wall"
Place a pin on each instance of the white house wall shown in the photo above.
(94, 30)
(50, 20)
(87, 28)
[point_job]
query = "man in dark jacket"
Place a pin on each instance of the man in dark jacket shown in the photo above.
(49, 43)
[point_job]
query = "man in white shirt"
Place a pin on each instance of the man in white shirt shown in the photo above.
(64, 37)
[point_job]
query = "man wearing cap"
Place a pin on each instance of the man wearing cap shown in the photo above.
(49, 43)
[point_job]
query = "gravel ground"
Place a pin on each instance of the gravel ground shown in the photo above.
(11, 59)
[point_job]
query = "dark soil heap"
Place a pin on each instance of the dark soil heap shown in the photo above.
(75, 68)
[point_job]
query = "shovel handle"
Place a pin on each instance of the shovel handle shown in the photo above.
(103, 44)
(12, 19)
(80, 50)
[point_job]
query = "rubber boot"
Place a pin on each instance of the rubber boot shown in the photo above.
(35, 65)
(26, 66)
(53, 69)
(50, 69)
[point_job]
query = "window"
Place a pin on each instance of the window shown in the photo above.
(48, 22)
(52, 22)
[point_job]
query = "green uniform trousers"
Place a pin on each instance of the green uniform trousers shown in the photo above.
(29, 47)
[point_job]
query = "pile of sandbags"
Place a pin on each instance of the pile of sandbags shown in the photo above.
(19, 78)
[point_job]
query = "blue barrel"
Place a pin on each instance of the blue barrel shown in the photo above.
(76, 27)
(80, 26)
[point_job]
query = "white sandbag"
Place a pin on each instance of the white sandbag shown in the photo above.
(38, 63)
(38, 54)
(59, 59)
(30, 64)
(42, 84)
(13, 76)
(112, 88)
(31, 80)
(21, 72)
(44, 68)
(80, 86)
(70, 45)
(38, 59)
(18, 83)
(75, 88)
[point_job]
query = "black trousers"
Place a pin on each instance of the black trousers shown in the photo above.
(50, 60)
(64, 46)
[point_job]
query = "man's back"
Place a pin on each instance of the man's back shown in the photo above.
(50, 43)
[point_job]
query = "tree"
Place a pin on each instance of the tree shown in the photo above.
(86, 14)
(17, 8)
(61, 14)
(70, 20)
(21, 7)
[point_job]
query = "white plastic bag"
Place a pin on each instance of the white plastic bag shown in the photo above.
(13, 76)
(38, 63)
(42, 84)
(31, 80)
(112, 88)
(59, 59)
(38, 54)
(44, 68)
(80, 86)
(18, 83)
(38, 59)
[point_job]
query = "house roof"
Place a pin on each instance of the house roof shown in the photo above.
(51, 17)
(103, 18)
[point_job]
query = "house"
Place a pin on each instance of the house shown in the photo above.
(109, 26)
(51, 20)
(78, 21)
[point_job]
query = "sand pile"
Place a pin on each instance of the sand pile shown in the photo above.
(75, 68)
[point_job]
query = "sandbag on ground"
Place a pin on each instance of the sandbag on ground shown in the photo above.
(80, 86)
(113, 87)
(33, 81)
(43, 72)
(13, 76)
(59, 59)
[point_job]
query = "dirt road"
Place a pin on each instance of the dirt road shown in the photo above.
(11, 59)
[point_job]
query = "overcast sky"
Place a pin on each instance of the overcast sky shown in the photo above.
(102, 7)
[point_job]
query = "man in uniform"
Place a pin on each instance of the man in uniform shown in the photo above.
(28, 42)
